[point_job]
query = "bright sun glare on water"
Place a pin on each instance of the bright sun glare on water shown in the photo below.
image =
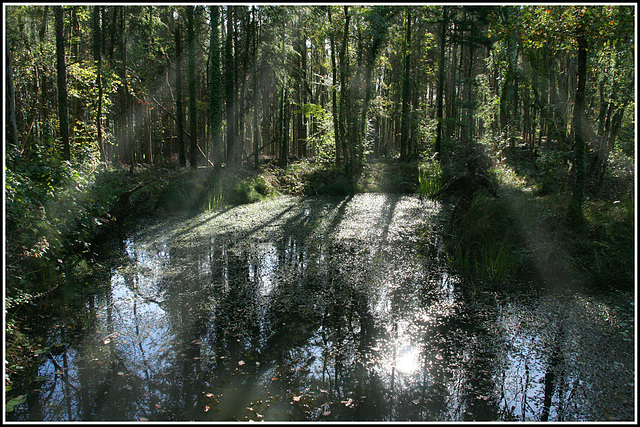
(408, 361)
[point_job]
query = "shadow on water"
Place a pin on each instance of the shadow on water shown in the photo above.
(323, 309)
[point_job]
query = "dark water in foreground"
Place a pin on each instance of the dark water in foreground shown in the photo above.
(324, 309)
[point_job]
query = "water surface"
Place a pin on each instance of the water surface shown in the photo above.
(326, 308)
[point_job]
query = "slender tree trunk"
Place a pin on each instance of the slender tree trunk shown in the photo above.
(405, 145)
(97, 57)
(229, 88)
(345, 96)
(182, 156)
(191, 76)
(334, 96)
(577, 127)
(256, 73)
(215, 82)
(12, 128)
(284, 131)
(440, 94)
(62, 84)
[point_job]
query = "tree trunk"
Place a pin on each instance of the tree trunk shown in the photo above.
(229, 88)
(215, 81)
(12, 127)
(191, 77)
(345, 96)
(405, 146)
(577, 127)
(182, 157)
(440, 94)
(97, 57)
(334, 95)
(283, 131)
(62, 84)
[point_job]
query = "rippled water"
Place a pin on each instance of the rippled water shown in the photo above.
(325, 309)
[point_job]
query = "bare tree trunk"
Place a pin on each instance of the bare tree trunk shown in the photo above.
(405, 146)
(62, 84)
(179, 113)
(577, 128)
(12, 128)
(215, 81)
(439, 103)
(191, 77)
(334, 96)
(97, 57)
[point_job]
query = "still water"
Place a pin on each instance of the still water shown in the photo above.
(326, 308)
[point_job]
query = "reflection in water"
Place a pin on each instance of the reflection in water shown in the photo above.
(316, 309)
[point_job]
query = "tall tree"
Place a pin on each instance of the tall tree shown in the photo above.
(439, 107)
(215, 82)
(62, 84)
(405, 145)
(191, 77)
(334, 93)
(97, 58)
(578, 123)
(12, 128)
(182, 156)
(229, 88)
(347, 145)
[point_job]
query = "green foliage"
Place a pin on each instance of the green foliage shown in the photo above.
(429, 178)
(323, 141)
(494, 261)
(553, 167)
(484, 245)
(11, 404)
(205, 190)
(608, 255)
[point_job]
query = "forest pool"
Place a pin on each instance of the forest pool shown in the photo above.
(326, 308)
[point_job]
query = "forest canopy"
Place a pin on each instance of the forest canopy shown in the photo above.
(207, 85)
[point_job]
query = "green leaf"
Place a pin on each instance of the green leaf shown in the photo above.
(15, 402)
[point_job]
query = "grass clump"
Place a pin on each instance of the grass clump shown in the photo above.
(483, 245)
(429, 178)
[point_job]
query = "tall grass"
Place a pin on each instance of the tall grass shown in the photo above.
(429, 178)
(491, 261)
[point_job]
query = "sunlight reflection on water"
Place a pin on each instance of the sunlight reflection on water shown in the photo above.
(316, 309)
